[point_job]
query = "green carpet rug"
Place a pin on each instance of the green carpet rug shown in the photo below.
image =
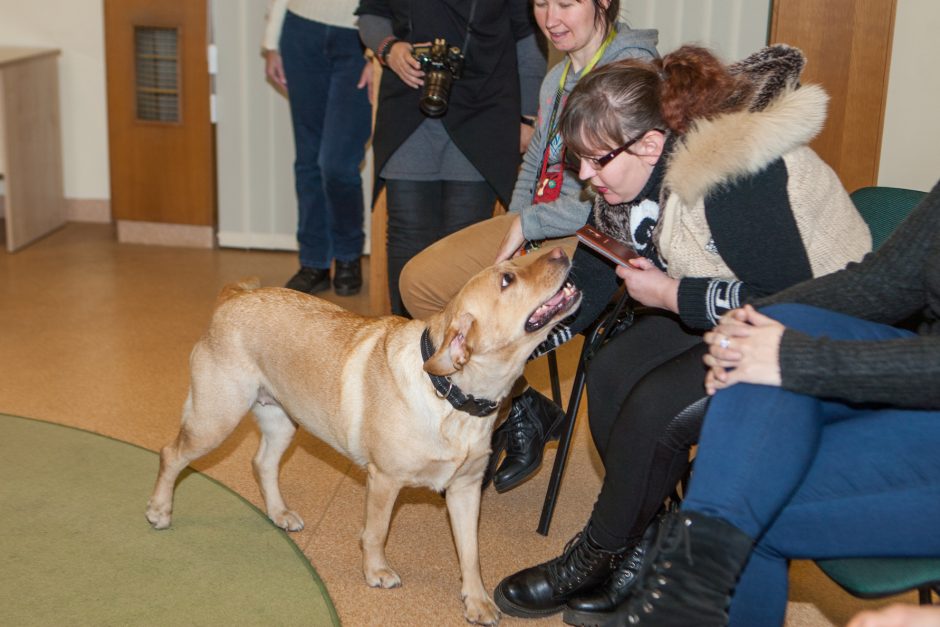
(76, 549)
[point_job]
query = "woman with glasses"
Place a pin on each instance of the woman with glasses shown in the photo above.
(705, 170)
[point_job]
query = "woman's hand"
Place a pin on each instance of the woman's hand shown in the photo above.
(367, 81)
(400, 60)
(274, 69)
(511, 246)
(743, 348)
(525, 136)
(649, 285)
(899, 615)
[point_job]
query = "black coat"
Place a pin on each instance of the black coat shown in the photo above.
(483, 114)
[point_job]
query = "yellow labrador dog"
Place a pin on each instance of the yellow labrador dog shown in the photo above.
(414, 402)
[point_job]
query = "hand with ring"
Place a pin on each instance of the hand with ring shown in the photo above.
(752, 357)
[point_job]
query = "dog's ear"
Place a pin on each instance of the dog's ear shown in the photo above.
(455, 350)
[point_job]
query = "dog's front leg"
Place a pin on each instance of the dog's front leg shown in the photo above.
(463, 506)
(381, 493)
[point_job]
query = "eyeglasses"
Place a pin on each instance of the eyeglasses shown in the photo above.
(599, 163)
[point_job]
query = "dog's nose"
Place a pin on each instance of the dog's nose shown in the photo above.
(558, 253)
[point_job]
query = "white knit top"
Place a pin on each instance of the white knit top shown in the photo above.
(331, 12)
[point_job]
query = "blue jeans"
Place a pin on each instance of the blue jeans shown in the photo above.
(809, 478)
(332, 121)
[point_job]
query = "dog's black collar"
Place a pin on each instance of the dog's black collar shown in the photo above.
(446, 389)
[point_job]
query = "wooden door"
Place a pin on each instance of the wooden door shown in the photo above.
(159, 126)
(847, 44)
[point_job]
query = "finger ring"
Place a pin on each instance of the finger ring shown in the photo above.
(724, 342)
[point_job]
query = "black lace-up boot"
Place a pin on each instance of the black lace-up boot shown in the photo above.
(310, 280)
(533, 420)
(694, 567)
(592, 608)
(544, 589)
(347, 277)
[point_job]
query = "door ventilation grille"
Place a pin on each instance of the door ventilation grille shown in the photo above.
(157, 63)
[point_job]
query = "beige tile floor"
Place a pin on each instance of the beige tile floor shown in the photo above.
(96, 335)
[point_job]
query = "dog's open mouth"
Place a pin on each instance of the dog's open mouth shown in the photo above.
(561, 302)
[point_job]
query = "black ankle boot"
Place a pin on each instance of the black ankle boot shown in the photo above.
(544, 589)
(592, 608)
(310, 280)
(694, 567)
(347, 277)
(533, 421)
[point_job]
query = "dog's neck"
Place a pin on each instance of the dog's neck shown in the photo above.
(450, 391)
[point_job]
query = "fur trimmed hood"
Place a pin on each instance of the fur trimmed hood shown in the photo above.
(781, 117)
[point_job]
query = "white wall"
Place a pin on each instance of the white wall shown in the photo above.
(910, 154)
(77, 28)
(910, 146)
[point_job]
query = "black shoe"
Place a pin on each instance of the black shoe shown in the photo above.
(533, 420)
(310, 280)
(592, 608)
(347, 277)
(694, 567)
(544, 589)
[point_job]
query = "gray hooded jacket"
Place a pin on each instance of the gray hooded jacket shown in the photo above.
(570, 210)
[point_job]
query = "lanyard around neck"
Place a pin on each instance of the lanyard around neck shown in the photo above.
(559, 94)
(590, 66)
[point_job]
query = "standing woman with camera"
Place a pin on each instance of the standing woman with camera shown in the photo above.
(449, 126)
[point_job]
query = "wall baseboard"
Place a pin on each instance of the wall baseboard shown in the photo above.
(88, 209)
(161, 234)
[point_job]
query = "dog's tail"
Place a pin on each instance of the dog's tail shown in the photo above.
(239, 287)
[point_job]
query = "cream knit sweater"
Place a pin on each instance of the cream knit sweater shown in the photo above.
(331, 12)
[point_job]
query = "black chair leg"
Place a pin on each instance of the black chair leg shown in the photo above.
(564, 443)
(553, 377)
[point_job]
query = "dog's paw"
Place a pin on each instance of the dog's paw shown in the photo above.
(383, 577)
(289, 520)
(158, 517)
(481, 611)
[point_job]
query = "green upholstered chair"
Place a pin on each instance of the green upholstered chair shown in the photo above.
(883, 209)
(877, 577)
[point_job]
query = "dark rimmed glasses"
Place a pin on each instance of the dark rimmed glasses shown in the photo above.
(599, 163)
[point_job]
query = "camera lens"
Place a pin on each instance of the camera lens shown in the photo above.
(436, 92)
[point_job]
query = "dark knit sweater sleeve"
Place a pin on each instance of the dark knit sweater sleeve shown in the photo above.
(755, 232)
(893, 284)
(902, 372)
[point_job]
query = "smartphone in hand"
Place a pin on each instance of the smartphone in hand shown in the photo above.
(613, 249)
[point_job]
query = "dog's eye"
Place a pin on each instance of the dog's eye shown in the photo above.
(507, 279)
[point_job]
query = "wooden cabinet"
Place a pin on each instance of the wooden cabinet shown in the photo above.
(847, 44)
(30, 144)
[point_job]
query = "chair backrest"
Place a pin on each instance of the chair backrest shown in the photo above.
(883, 208)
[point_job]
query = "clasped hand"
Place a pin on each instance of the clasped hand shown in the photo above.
(743, 348)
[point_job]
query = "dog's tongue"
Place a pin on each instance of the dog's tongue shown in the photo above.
(548, 305)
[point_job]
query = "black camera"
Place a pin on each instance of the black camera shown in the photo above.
(442, 64)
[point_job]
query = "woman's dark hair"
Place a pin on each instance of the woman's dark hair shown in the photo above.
(620, 101)
(606, 17)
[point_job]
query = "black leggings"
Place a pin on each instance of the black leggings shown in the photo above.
(422, 212)
(637, 384)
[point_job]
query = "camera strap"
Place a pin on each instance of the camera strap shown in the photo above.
(466, 40)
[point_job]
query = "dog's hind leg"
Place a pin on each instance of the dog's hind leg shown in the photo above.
(277, 431)
(211, 412)
(381, 492)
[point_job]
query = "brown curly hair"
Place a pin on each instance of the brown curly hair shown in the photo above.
(620, 101)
